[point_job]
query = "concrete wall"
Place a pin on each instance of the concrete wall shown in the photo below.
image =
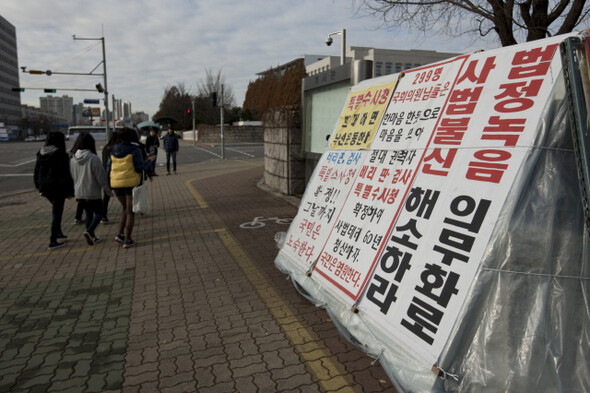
(284, 167)
(231, 134)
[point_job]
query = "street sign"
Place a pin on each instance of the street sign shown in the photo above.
(90, 101)
(90, 112)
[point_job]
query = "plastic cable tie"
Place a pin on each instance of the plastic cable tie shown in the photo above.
(445, 375)
(378, 357)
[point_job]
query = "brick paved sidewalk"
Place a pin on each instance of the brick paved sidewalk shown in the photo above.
(197, 306)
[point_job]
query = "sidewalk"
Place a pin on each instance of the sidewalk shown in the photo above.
(196, 306)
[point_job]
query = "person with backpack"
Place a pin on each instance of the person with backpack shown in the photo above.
(90, 179)
(124, 168)
(53, 180)
(106, 153)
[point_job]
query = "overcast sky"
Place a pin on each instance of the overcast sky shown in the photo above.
(153, 44)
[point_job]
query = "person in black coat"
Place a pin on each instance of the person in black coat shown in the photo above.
(171, 147)
(54, 181)
(152, 143)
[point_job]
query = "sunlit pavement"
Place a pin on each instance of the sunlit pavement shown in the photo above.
(197, 305)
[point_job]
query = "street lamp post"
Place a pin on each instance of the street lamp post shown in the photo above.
(104, 74)
(329, 41)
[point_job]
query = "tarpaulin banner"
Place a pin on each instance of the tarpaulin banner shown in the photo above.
(398, 215)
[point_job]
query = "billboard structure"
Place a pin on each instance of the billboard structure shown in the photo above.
(444, 227)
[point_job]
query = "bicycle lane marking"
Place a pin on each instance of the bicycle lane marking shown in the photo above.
(260, 221)
(324, 365)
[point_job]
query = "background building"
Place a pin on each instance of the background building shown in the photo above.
(117, 109)
(62, 106)
(126, 110)
(36, 122)
(385, 61)
(10, 111)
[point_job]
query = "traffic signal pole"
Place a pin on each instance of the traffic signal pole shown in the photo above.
(104, 74)
(194, 128)
(106, 94)
(222, 139)
(91, 73)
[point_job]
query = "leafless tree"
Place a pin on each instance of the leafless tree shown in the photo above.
(511, 20)
(212, 83)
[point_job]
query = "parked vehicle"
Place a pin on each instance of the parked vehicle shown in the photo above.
(98, 132)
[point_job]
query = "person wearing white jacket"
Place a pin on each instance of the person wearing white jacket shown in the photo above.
(90, 179)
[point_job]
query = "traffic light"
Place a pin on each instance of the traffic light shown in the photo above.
(188, 112)
(19, 89)
(49, 90)
(99, 88)
(214, 99)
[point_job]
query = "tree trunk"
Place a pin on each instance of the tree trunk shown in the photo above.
(503, 21)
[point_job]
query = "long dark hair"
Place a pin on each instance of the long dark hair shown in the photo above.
(85, 141)
(114, 139)
(57, 139)
(128, 135)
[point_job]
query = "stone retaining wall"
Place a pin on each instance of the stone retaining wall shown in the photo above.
(231, 134)
(284, 168)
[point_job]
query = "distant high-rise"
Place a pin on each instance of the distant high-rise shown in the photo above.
(60, 106)
(126, 110)
(10, 109)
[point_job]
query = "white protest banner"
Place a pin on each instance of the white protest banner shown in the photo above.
(384, 180)
(433, 252)
(318, 212)
(424, 233)
(335, 173)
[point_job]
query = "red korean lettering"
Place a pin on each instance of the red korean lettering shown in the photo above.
(471, 73)
(490, 167)
(451, 131)
(437, 156)
(501, 129)
(535, 55)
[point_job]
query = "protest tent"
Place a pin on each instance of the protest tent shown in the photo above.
(445, 228)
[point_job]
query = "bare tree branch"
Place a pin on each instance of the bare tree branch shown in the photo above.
(509, 19)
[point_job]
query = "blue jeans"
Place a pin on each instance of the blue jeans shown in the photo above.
(93, 209)
(168, 154)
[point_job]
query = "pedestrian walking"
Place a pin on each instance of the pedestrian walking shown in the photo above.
(171, 147)
(53, 180)
(79, 208)
(106, 152)
(152, 143)
(124, 168)
(90, 182)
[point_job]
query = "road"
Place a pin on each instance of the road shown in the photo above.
(17, 160)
